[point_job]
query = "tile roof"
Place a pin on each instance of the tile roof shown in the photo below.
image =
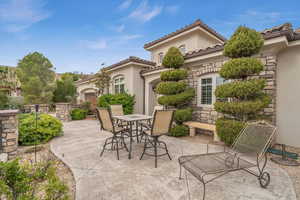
(131, 59)
(198, 22)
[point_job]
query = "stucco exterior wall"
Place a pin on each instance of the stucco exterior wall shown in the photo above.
(288, 95)
(192, 41)
(87, 87)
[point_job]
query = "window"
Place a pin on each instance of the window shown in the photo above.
(182, 49)
(119, 85)
(207, 86)
(160, 57)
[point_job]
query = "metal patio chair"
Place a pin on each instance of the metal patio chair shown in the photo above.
(161, 125)
(248, 150)
(117, 141)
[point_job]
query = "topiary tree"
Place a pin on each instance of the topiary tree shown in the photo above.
(175, 90)
(244, 95)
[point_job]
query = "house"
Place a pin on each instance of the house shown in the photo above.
(202, 48)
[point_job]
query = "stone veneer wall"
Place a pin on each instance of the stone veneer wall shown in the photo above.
(43, 108)
(63, 111)
(208, 114)
(9, 134)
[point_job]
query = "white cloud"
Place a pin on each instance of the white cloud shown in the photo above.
(95, 45)
(18, 15)
(119, 28)
(130, 37)
(172, 9)
(125, 4)
(144, 12)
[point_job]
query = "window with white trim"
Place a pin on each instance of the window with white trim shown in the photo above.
(207, 87)
(182, 49)
(119, 85)
(160, 57)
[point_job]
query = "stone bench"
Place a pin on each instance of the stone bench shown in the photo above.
(210, 127)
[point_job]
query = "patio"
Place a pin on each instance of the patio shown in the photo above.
(108, 178)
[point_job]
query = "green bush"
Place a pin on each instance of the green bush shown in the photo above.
(78, 114)
(183, 115)
(179, 130)
(171, 87)
(48, 127)
(177, 100)
(174, 75)
(3, 100)
(244, 42)
(241, 67)
(16, 102)
(228, 129)
(124, 99)
(241, 108)
(173, 58)
(241, 90)
(25, 181)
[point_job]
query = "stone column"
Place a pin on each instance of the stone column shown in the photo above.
(9, 134)
(63, 111)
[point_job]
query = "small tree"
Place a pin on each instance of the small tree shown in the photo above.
(102, 81)
(65, 89)
(245, 94)
(36, 75)
(175, 90)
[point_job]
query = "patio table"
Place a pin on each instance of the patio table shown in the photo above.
(131, 119)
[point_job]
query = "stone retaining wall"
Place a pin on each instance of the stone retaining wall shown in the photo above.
(43, 108)
(208, 114)
(9, 134)
(63, 111)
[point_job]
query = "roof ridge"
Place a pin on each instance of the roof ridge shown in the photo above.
(130, 59)
(196, 23)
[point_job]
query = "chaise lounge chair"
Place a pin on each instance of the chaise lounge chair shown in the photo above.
(248, 150)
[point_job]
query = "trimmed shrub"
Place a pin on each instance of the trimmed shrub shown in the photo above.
(228, 129)
(48, 127)
(174, 75)
(3, 100)
(16, 102)
(240, 68)
(183, 115)
(179, 130)
(78, 114)
(124, 99)
(244, 42)
(177, 100)
(241, 90)
(171, 87)
(173, 58)
(243, 107)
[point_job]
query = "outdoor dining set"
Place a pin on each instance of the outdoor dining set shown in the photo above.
(247, 153)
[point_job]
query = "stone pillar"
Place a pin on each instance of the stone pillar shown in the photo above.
(63, 111)
(9, 134)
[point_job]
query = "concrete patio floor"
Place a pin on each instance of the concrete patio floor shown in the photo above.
(107, 178)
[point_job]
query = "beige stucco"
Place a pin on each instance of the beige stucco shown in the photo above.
(83, 88)
(288, 96)
(193, 41)
(134, 84)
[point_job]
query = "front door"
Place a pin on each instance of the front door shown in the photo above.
(91, 97)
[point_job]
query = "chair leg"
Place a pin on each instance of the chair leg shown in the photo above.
(155, 151)
(204, 191)
(103, 148)
(117, 148)
(180, 170)
(145, 147)
(166, 149)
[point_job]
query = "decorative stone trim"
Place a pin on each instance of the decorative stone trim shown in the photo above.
(9, 134)
(43, 108)
(208, 114)
(63, 111)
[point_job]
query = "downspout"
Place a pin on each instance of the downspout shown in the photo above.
(143, 93)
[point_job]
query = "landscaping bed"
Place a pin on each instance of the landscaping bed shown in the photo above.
(26, 153)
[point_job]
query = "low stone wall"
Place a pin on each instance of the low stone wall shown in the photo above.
(208, 114)
(8, 134)
(43, 108)
(63, 111)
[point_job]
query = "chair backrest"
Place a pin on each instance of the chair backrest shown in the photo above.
(157, 108)
(116, 110)
(255, 138)
(105, 119)
(162, 122)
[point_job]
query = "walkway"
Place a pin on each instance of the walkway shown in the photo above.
(106, 178)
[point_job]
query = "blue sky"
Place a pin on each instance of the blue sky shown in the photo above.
(79, 35)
